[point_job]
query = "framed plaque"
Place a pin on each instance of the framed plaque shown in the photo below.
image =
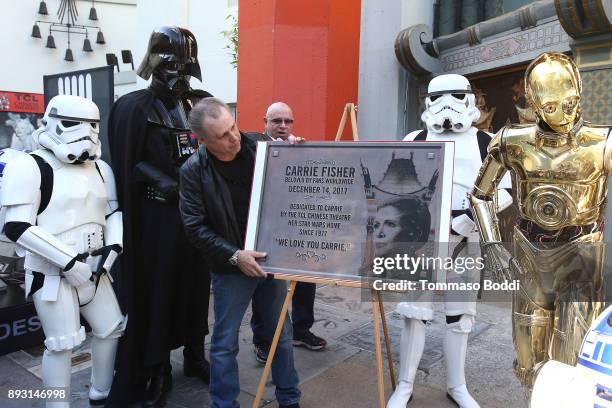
(328, 209)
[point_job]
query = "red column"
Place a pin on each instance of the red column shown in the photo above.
(302, 52)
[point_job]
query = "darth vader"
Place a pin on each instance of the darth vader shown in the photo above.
(163, 281)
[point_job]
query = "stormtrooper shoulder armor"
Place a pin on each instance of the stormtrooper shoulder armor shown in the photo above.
(20, 181)
(109, 179)
(410, 136)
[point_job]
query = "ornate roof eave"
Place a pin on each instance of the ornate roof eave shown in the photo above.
(410, 50)
(589, 18)
(418, 52)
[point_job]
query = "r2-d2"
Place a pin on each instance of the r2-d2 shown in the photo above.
(60, 208)
(589, 384)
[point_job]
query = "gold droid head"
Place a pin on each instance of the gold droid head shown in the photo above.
(553, 87)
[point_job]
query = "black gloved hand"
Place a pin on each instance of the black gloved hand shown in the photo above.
(109, 254)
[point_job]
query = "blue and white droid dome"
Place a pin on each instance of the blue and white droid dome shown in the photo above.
(596, 354)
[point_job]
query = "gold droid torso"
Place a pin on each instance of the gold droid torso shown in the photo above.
(559, 182)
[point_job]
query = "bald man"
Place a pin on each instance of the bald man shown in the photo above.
(278, 121)
(278, 124)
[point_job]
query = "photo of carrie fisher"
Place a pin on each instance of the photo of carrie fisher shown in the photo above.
(400, 221)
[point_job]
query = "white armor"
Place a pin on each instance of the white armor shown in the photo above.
(79, 217)
(589, 383)
(6, 155)
(450, 112)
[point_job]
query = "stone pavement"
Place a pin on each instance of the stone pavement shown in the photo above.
(343, 375)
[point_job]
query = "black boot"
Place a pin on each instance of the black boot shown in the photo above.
(194, 362)
(159, 386)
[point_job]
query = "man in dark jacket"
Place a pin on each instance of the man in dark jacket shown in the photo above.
(215, 189)
(278, 126)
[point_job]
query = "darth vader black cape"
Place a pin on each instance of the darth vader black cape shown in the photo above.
(161, 280)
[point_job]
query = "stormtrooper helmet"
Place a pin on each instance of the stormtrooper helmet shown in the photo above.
(70, 129)
(450, 104)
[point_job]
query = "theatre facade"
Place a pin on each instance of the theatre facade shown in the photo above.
(493, 53)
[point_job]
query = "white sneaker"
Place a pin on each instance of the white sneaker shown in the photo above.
(97, 397)
(401, 396)
(461, 396)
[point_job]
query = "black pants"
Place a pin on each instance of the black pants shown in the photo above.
(197, 307)
(302, 312)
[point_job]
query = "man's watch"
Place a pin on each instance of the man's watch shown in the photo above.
(234, 259)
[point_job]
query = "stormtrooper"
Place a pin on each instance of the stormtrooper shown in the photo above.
(450, 112)
(60, 208)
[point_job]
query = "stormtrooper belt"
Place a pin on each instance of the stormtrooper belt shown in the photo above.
(39, 280)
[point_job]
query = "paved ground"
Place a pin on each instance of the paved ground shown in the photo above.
(343, 375)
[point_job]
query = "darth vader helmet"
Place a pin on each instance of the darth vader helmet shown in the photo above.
(172, 57)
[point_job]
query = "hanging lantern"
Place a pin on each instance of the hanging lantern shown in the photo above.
(87, 45)
(42, 8)
(68, 56)
(100, 38)
(93, 15)
(36, 31)
(50, 41)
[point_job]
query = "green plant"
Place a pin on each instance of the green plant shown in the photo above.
(232, 36)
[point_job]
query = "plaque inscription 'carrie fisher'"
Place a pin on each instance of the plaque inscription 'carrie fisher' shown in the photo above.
(326, 209)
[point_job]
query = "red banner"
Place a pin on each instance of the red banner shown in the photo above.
(22, 102)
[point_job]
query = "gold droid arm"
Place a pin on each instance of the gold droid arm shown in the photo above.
(482, 198)
(483, 204)
(608, 153)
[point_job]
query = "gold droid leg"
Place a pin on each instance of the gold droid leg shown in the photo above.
(560, 295)
(580, 299)
(531, 333)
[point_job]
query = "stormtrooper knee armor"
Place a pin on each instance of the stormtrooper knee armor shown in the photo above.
(60, 208)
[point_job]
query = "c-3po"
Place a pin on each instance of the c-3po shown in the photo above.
(559, 168)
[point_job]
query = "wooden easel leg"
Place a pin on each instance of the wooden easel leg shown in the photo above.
(378, 348)
(354, 123)
(349, 111)
(342, 123)
(381, 306)
(277, 333)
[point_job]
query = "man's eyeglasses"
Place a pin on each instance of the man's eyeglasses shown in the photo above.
(279, 121)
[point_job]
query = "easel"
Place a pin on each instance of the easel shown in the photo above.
(378, 309)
